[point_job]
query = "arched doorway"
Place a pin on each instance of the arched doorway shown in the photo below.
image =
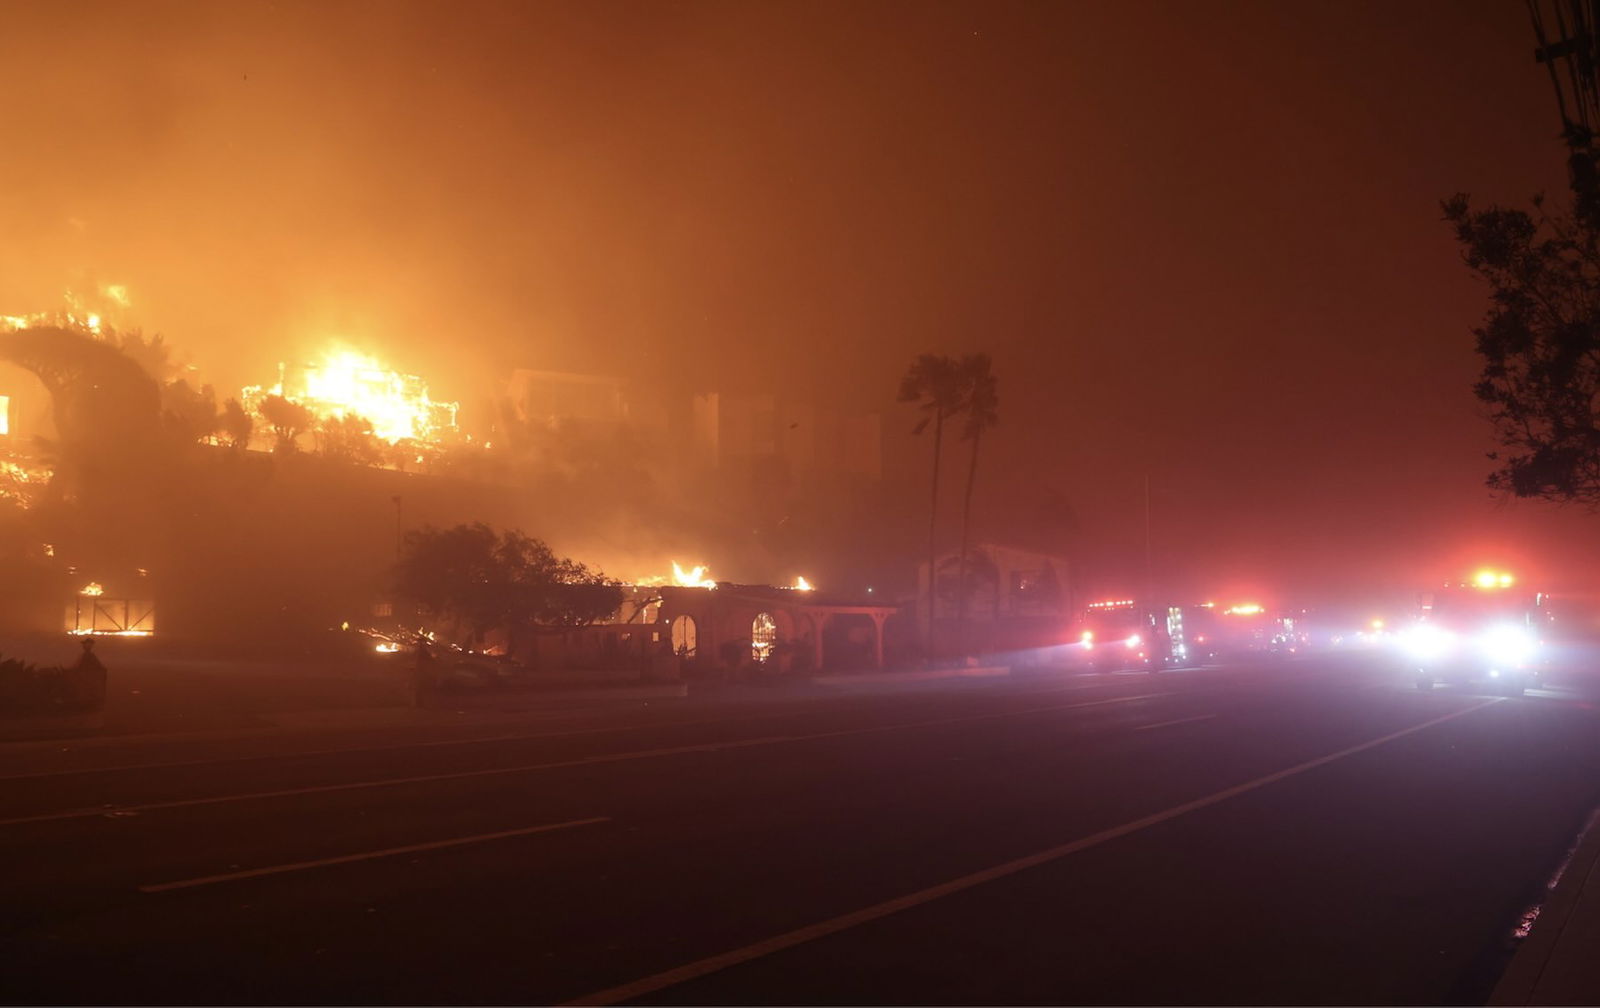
(685, 636)
(763, 636)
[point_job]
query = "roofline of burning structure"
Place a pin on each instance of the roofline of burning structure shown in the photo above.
(802, 598)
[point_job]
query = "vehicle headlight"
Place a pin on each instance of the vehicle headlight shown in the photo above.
(1134, 640)
(1508, 645)
(1426, 641)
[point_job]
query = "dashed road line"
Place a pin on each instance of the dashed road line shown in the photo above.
(645, 986)
(559, 764)
(365, 856)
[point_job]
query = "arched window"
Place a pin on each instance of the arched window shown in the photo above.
(763, 635)
(685, 637)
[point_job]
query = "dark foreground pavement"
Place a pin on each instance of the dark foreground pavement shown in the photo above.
(1314, 833)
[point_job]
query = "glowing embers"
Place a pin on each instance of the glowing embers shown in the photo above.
(763, 636)
(21, 479)
(347, 384)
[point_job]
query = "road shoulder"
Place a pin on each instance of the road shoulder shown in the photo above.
(1557, 963)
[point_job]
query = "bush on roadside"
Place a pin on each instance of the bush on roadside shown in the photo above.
(27, 689)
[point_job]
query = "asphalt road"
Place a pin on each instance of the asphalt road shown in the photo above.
(1319, 832)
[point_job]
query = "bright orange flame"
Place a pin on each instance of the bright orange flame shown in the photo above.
(77, 314)
(695, 577)
(93, 588)
(1247, 609)
(345, 384)
(801, 584)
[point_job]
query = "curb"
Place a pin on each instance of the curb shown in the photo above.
(1556, 963)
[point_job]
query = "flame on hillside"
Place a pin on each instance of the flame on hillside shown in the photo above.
(85, 313)
(347, 384)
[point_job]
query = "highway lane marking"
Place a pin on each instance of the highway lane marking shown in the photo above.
(713, 964)
(563, 764)
(483, 740)
(1169, 724)
(364, 856)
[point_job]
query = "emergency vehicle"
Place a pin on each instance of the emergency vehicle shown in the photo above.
(1484, 631)
(1121, 634)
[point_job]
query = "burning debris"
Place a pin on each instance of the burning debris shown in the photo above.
(21, 480)
(697, 576)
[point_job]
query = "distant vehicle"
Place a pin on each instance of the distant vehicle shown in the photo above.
(1245, 630)
(1485, 632)
(1121, 634)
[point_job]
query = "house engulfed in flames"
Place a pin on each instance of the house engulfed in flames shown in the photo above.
(347, 384)
(692, 624)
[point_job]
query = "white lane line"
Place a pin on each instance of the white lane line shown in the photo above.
(312, 753)
(713, 964)
(365, 856)
(1169, 724)
(562, 764)
(476, 740)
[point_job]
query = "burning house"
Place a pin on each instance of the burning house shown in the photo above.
(696, 626)
(347, 385)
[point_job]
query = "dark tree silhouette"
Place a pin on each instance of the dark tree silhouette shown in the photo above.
(288, 420)
(1540, 341)
(188, 414)
(981, 399)
(152, 353)
(235, 424)
(349, 439)
(1540, 344)
(933, 383)
(500, 581)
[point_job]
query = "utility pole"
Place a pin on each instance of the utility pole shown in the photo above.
(1149, 581)
(399, 529)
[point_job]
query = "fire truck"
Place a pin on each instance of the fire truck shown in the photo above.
(1122, 634)
(1484, 631)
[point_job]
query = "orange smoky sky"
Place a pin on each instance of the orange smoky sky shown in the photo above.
(1202, 241)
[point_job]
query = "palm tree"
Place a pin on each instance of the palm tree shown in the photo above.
(932, 382)
(981, 402)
